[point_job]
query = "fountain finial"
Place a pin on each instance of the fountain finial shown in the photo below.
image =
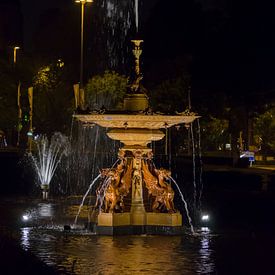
(136, 99)
(137, 53)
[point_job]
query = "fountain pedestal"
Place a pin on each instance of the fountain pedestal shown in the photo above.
(138, 220)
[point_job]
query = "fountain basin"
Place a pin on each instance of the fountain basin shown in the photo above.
(126, 121)
(135, 136)
(153, 223)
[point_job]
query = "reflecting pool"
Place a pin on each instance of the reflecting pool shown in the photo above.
(209, 251)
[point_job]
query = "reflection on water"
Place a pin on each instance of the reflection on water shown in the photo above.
(25, 237)
(45, 210)
(91, 254)
(205, 265)
(81, 252)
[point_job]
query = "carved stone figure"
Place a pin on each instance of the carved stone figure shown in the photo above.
(159, 187)
(114, 187)
(166, 198)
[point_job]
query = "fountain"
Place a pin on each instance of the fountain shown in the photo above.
(49, 155)
(135, 197)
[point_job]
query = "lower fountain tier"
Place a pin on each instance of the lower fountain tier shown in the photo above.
(134, 136)
(139, 223)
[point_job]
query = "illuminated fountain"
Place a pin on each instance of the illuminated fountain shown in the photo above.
(47, 156)
(134, 196)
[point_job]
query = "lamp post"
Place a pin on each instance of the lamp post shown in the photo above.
(82, 2)
(15, 48)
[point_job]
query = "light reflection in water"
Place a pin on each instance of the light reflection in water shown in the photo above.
(45, 210)
(205, 262)
(85, 253)
(91, 254)
(25, 237)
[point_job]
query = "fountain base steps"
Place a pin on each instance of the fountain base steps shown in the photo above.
(139, 223)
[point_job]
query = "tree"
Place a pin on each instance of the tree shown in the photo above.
(8, 101)
(171, 95)
(214, 133)
(52, 100)
(106, 90)
(264, 130)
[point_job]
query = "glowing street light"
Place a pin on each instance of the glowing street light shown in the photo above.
(15, 48)
(14, 53)
(82, 2)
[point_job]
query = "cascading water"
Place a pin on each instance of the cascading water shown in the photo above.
(95, 150)
(185, 206)
(136, 13)
(194, 168)
(48, 156)
(91, 150)
(200, 161)
(114, 24)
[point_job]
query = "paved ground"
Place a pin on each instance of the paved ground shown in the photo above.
(264, 167)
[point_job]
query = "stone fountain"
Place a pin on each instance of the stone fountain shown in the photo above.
(135, 197)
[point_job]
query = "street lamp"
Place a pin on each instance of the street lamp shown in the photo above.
(14, 53)
(15, 48)
(82, 2)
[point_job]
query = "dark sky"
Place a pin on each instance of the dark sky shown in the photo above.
(32, 11)
(232, 42)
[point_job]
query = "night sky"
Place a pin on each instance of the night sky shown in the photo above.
(230, 43)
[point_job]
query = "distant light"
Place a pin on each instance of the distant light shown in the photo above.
(205, 229)
(205, 217)
(84, 1)
(29, 134)
(228, 146)
(60, 63)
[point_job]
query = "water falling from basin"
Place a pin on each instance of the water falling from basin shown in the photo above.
(136, 13)
(185, 206)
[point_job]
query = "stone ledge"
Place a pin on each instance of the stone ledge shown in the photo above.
(149, 218)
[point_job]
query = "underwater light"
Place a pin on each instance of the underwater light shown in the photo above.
(205, 217)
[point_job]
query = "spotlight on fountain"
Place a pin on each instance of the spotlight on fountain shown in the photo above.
(26, 217)
(205, 217)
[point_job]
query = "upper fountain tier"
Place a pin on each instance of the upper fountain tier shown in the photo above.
(135, 113)
(139, 121)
